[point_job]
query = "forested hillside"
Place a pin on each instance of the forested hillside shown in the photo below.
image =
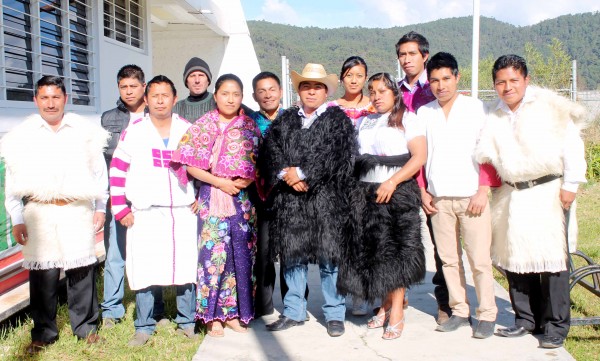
(579, 34)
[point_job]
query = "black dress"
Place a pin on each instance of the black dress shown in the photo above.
(387, 252)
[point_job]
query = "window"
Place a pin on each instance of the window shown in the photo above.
(46, 37)
(123, 21)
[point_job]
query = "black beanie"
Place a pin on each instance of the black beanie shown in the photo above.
(196, 64)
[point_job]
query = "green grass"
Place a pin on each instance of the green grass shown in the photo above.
(584, 341)
(165, 344)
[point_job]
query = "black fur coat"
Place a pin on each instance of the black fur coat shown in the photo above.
(309, 226)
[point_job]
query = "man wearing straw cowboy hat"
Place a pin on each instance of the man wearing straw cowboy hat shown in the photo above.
(306, 170)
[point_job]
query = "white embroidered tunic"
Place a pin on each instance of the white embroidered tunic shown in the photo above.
(162, 242)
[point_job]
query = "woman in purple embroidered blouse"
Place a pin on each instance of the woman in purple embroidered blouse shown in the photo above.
(219, 150)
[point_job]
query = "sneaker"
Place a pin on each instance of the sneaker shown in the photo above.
(359, 308)
(187, 332)
(139, 339)
(453, 323)
(484, 329)
(163, 322)
(108, 323)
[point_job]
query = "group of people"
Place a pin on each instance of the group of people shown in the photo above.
(206, 195)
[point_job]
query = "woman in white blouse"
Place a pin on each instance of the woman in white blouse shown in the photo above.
(387, 255)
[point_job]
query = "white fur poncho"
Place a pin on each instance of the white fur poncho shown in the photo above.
(68, 164)
(528, 225)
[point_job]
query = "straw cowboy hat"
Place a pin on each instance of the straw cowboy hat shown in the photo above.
(316, 72)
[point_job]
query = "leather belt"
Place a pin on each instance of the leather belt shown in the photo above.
(534, 182)
(57, 202)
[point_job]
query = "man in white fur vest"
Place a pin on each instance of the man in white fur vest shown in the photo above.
(532, 139)
(56, 167)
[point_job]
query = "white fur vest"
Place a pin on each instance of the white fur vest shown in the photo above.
(528, 225)
(48, 167)
(64, 165)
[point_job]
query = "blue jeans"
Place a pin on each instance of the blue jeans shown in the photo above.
(294, 303)
(114, 268)
(115, 235)
(144, 307)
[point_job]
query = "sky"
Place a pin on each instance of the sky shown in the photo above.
(389, 13)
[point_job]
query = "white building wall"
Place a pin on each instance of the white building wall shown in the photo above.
(113, 55)
(175, 44)
(225, 45)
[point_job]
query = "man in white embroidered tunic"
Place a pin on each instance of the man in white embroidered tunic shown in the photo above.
(56, 167)
(532, 139)
(161, 235)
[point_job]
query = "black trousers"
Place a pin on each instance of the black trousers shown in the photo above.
(541, 301)
(441, 289)
(264, 269)
(81, 297)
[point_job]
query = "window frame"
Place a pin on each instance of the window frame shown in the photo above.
(128, 37)
(69, 60)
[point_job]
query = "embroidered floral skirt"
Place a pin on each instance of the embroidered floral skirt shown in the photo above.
(227, 248)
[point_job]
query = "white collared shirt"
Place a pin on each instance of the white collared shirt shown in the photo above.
(451, 169)
(306, 123)
(420, 82)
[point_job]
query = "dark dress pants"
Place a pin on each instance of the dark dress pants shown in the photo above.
(264, 268)
(541, 301)
(81, 296)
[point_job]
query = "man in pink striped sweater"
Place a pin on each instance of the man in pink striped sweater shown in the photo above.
(161, 224)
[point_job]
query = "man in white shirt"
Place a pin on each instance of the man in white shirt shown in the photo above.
(532, 139)
(455, 198)
(55, 166)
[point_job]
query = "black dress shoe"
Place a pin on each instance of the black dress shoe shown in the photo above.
(36, 346)
(305, 320)
(283, 323)
(552, 342)
(335, 328)
(513, 331)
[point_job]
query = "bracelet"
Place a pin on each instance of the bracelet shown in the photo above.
(392, 183)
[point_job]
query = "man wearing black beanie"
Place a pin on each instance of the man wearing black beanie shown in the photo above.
(197, 77)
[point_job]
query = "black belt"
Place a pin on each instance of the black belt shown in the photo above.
(534, 182)
(366, 162)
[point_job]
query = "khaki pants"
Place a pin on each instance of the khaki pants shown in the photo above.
(450, 222)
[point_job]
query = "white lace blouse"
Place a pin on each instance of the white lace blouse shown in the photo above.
(377, 138)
